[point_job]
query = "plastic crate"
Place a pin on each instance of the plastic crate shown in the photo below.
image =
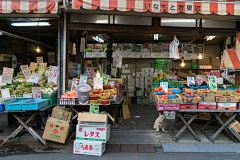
(15, 105)
(48, 96)
(34, 104)
(52, 101)
(2, 108)
(67, 101)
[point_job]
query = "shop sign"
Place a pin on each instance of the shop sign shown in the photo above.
(39, 60)
(75, 82)
(36, 92)
(25, 69)
(7, 75)
(34, 77)
(1, 84)
(164, 86)
(190, 81)
(105, 79)
(94, 108)
(52, 75)
(5, 93)
(170, 114)
(212, 80)
(42, 65)
(217, 74)
(83, 79)
(97, 83)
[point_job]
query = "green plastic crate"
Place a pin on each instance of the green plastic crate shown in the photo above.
(52, 101)
(48, 96)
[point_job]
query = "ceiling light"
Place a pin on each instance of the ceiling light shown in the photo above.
(209, 38)
(200, 56)
(38, 49)
(21, 24)
(155, 37)
(183, 63)
(101, 21)
(177, 20)
(98, 39)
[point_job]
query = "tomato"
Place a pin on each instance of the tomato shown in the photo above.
(160, 96)
(162, 90)
(170, 93)
(156, 89)
(191, 94)
(165, 97)
(160, 87)
(188, 92)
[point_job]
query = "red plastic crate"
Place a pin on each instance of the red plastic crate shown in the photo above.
(188, 106)
(207, 106)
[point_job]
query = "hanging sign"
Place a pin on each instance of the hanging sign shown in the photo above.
(52, 75)
(105, 79)
(5, 93)
(94, 108)
(39, 60)
(7, 75)
(164, 86)
(36, 92)
(91, 72)
(42, 65)
(212, 80)
(75, 82)
(1, 84)
(32, 66)
(25, 69)
(34, 77)
(190, 81)
(83, 79)
(97, 83)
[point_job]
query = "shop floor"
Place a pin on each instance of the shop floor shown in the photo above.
(113, 148)
(146, 148)
(132, 148)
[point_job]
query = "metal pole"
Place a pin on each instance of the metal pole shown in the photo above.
(59, 57)
(64, 50)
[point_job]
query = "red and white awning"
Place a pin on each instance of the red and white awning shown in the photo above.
(26, 6)
(218, 7)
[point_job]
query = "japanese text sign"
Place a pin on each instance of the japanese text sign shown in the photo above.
(5, 93)
(42, 65)
(75, 82)
(212, 80)
(97, 83)
(1, 84)
(164, 86)
(36, 92)
(34, 77)
(105, 79)
(170, 114)
(190, 81)
(52, 75)
(39, 60)
(90, 72)
(25, 69)
(217, 74)
(199, 81)
(83, 79)
(94, 108)
(32, 66)
(7, 75)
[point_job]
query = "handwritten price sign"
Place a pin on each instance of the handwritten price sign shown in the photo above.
(190, 81)
(164, 86)
(105, 78)
(94, 108)
(36, 91)
(52, 75)
(34, 77)
(39, 60)
(5, 93)
(32, 66)
(97, 83)
(25, 69)
(212, 80)
(75, 82)
(83, 79)
(7, 75)
(42, 65)
(1, 84)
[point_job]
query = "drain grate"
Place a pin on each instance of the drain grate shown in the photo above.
(132, 148)
(146, 148)
(113, 148)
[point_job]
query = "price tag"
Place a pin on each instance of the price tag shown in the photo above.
(7, 75)
(75, 82)
(105, 78)
(91, 72)
(39, 60)
(52, 75)
(32, 66)
(36, 92)
(42, 65)
(83, 79)
(25, 69)
(1, 84)
(97, 83)
(94, 108)
(190, 81)
(5, 93)
(212, 80)
(164, 86)
(34, 77)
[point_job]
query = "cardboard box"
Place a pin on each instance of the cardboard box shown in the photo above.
(62, 113)
(148, 74)
(168, 107)
(148, 85)
(207, 105)
(131, 80)
(96, 120)
(227, 99)
(209, 99)
(131, 95)
(131, 84)
(118, 80)
(195, 99)
(170, 114)
(234, 127)
(140, 80)
(125, 109)
(227, 106)
(131, 89)
(220, 92)
(204, 92)
(140, 93)
(140, 74)
(89, 148)
(140, 84)
(150, 80)
(168, 101)
(56, 130)
(149, 70)
(230, 92)
(221, 99)
(188, 106)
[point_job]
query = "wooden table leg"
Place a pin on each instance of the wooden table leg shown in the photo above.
(73, 134)
(116, 113)
(73, 109)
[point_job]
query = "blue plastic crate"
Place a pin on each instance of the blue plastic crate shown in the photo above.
(34, 104)
(15, 105)
(2, 108)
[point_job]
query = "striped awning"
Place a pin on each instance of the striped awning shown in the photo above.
(219, 7)
(26, 6)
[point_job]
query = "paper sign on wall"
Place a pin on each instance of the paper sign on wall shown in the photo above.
(1, 84)
(79, 69)
(170, 114)
(190, 81)
(83, 79)
(42, 65)
(32, 66)
(94, 108)
(5, 93)
(75, 82)
(164, 86)
(90, 72)
(36, 92)
(7, 75)
(25, 69)
(105, 79)
(97, 83)
(52, 75)
(39, 60)
(212, 80)
(34, 77)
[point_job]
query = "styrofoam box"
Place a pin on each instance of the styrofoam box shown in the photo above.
(140, 84)
(144, 69)
(130, 89)
(148, 85)
(148, 80)
(149, 74)
(131, 80)
(140, 74)
(131, 84)
(89, 148)
(148, 70)
(139, 80)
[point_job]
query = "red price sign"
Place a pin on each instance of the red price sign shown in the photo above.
(25, 69)
(52, 75)
(7, 75)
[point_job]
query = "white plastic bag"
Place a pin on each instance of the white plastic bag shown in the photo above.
(173, 48)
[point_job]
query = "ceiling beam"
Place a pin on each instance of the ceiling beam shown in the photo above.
(150, 30)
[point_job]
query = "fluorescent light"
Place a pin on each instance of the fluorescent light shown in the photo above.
(155, 37)
(101, 21)
(21, 24)
(178, 20)
(98, 39)
(209, 38)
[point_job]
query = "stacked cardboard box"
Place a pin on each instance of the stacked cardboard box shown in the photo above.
(58, 125)
(140, 83)
(92, 134)
(131, 87)
(148, 74)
